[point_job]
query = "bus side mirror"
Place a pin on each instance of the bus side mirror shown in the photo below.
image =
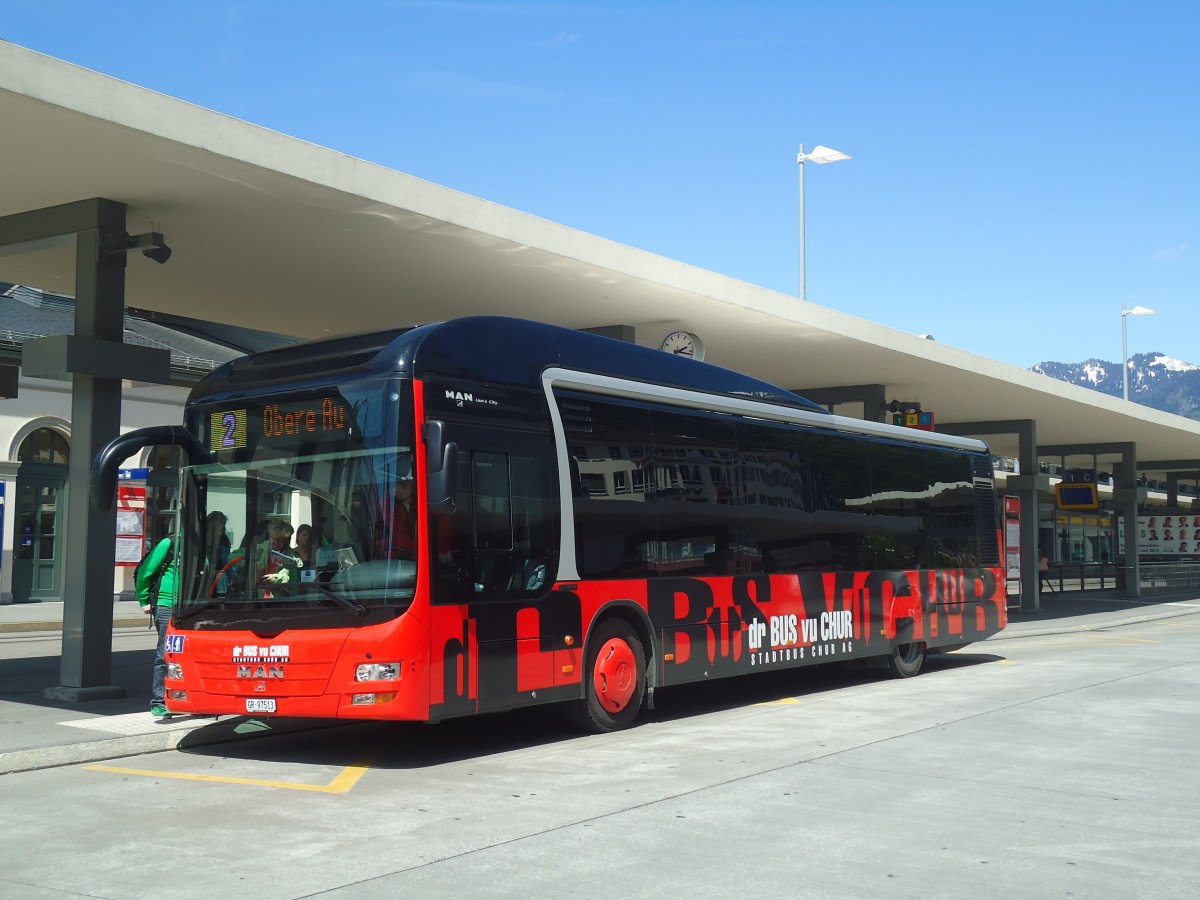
(441, 466)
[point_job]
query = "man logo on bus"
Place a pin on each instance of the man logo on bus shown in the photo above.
(260, 671)
(461, 398)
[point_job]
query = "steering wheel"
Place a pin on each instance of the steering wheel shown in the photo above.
(212, 592)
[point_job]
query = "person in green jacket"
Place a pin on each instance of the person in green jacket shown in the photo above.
(161, 559)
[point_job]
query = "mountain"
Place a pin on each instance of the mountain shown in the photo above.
(1155, 380)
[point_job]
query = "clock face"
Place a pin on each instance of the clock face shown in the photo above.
(683, 343)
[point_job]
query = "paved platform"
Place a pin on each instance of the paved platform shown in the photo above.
(49, 616)
(37, 733)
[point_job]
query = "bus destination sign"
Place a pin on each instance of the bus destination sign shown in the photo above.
(280, 422)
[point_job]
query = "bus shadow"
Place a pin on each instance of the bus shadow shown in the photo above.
(385, 745)
(960, 659)
(765, 687)
(407, 745)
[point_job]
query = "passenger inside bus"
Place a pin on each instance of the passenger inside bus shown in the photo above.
(217, 548)
(278, 564)
(396, 536)
(254, 540)
(397, 529)
(304, 546)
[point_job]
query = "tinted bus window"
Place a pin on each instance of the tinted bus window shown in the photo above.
(491, 497)
(838, 493)
(608, 444)
(693, 493)
(900, 497)
(777, 525)
(951, 523)
(501, 540)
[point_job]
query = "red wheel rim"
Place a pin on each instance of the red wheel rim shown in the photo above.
(615, 675)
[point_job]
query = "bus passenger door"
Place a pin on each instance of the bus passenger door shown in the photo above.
(502, 539)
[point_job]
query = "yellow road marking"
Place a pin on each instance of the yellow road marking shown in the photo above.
(342, 782)
(782, 701)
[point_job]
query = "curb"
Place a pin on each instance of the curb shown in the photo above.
(91, 751)
(56, 625)
(37, 758)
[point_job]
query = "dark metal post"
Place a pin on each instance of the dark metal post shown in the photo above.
(86, 670)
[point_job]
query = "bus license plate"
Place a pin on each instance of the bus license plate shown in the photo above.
(260, 704)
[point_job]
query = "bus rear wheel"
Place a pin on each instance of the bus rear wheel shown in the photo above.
(614, 679)
(906, 659)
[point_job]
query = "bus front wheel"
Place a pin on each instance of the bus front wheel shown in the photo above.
(614, 679)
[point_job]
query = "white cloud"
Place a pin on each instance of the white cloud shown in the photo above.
(1170, 254)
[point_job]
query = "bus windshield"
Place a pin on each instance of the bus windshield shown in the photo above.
(304, 530)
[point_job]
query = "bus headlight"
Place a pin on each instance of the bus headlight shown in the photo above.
(388, 671)
(174, 671)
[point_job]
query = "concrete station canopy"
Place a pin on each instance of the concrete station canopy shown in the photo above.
(276, 234)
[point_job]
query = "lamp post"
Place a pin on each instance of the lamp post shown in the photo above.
(1125, 313)
(820, 155)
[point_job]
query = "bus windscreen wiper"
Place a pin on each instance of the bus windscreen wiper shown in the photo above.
(340, 600)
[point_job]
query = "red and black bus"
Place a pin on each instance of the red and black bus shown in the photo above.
(590, 520)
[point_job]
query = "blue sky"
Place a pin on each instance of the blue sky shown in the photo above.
(1020, 169)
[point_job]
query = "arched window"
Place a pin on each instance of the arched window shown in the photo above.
(45, 446)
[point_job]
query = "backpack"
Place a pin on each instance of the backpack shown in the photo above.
(156, 580)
